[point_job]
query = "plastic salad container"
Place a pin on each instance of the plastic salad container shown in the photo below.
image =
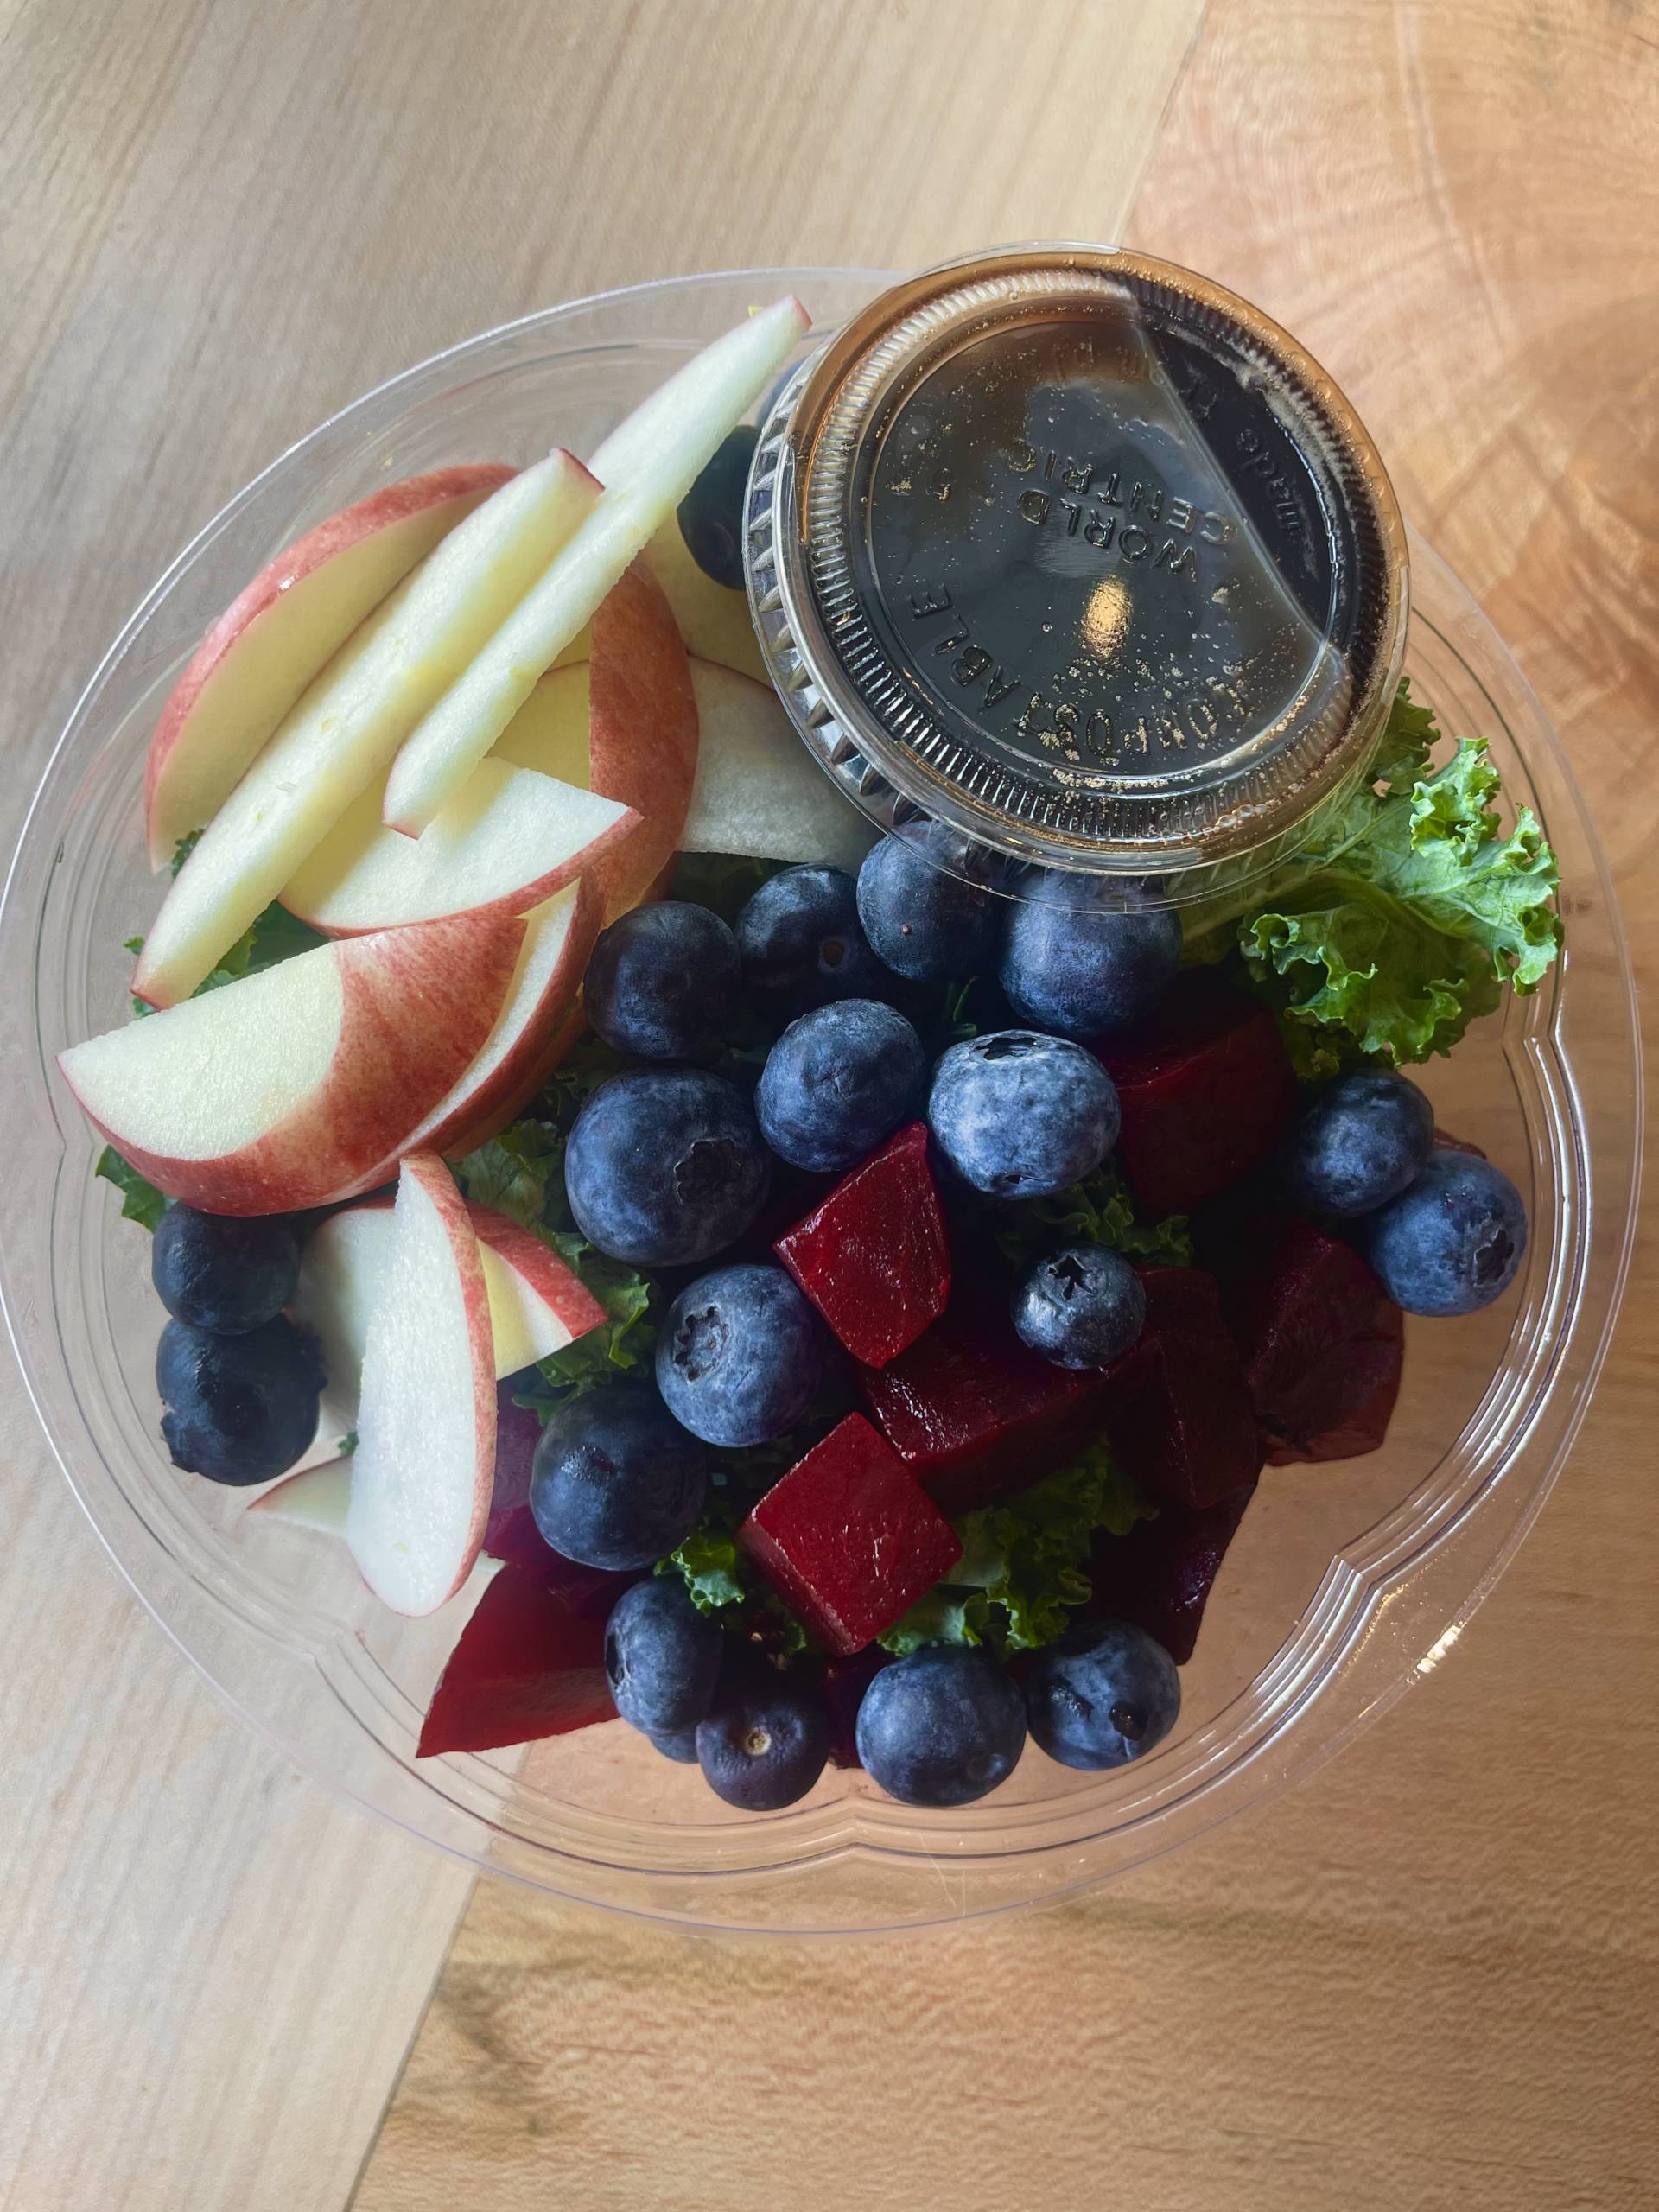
(1346, 1582)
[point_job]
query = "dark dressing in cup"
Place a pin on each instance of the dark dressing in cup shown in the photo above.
(1067, 557)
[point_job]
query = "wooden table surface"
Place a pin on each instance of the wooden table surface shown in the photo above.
(1429, 1977)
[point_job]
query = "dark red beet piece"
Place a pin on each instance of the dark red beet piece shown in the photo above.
(1183, 1299)
(509, 1533)
(1180, 1414)
(1323, 1344)
(845, 1681)
(1363, 1422)
(872, 1257)
(529, 1663)
(1206, 1090)
(1160, 1575)
(975, 1415)
(849, 1537)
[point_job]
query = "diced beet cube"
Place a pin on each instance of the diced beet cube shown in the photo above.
(1180, 1415)
(975, 1415)
(1206, 1090)
(1323, 1343)
(1363, 1423)
(1182, 1299)
(529, 1663)
(1160, 1575)
(849, 1537)
(845, 1681)
(872, 1257)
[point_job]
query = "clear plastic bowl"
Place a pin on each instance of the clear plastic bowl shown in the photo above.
(1346, 1582)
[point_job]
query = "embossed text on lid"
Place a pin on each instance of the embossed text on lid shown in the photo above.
(1081, 556)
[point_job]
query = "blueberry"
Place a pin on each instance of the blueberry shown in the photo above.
(1452, 1242)
(802, 943)
(1081, 1307)
(228, 1273)
(237, 1410)
(662, 1657)
(1082, 972)
(677, 1744)
(942, 1728)
(1105, 1694)
(616, 1482)
(1020, 1116)
(920, 921)
(661, 981)
(738, 1360)
(765, 1741)
(711, 513)
(666, 1167)
(1359, 1145)
(838, 1083)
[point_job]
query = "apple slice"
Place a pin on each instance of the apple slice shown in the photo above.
(647, 466)
(550, 732)
(316, 1497)
(758, 791)
(626, 725)
(278, 634)
(537, 1305)
(506, 841)
(344, 731)
(280, 1090)
(713, 619)
(538, 1019)
(425, 1459)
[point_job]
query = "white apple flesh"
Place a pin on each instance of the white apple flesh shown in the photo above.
(506, 841)
(280, 1090)
(625, 724)
(312, 1497)
(279, 633)
(758, 789)
(534, 1026)
(713, 619)
(343, 733)
(424, 1467)
(537, 1305)
(647, 466)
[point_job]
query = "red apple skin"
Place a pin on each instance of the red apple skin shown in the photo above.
(601, 853)
(408, 519)
(560, 1289)
(642, 731)
(430, 1173)
(550, 1031)
(418, 1004)
(523, 899)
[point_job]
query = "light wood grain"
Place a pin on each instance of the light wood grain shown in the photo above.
(1429, 1977)
(218, 221)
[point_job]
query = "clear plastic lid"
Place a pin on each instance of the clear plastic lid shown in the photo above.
(1067, 556)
